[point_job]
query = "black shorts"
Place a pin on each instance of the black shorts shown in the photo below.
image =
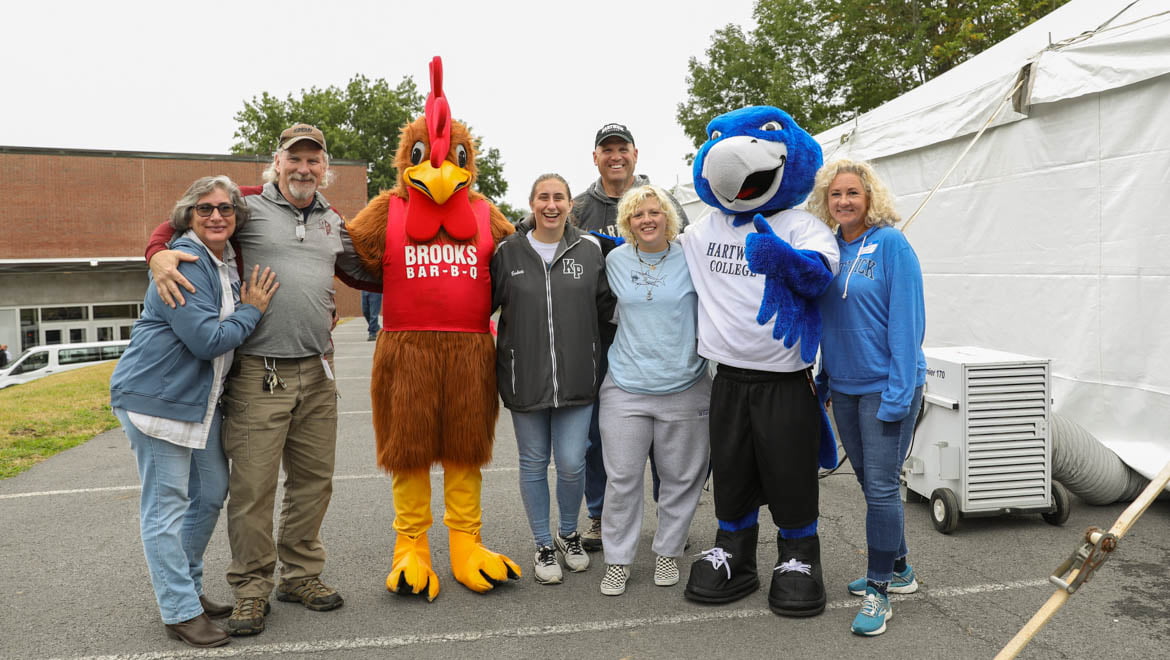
(765, 432)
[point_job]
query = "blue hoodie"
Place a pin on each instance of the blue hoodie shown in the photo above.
(874, 318)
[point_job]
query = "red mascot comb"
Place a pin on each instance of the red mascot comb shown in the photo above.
(438, 114)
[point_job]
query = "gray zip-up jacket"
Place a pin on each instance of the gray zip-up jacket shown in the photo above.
(593, 210)
(547, 347)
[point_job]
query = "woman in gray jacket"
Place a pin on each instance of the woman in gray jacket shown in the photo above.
(165, 392)
(549, 284)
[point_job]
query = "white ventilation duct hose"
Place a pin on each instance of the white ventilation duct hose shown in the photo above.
(1090, 469)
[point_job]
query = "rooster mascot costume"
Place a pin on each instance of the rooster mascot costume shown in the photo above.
(433, 385)
(758, 265)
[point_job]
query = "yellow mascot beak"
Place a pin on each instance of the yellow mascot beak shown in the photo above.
(438, 184)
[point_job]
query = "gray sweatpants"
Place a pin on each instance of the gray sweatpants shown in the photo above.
(677, 427)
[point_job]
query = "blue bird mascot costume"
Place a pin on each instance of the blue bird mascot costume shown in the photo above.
(758, 265)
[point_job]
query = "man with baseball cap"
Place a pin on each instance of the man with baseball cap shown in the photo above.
(615, 156)
(280, 401)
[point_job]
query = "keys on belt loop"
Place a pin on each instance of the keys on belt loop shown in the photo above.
(272, 380)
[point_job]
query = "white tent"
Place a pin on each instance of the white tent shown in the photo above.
(1052, 236)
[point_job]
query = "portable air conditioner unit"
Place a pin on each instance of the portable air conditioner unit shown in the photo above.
(982, 446)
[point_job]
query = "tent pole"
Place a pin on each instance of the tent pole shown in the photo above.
(1104, 543)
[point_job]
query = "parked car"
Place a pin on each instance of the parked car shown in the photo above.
(40, 361)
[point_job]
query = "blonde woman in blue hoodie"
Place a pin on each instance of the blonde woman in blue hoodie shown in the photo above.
(873, 368)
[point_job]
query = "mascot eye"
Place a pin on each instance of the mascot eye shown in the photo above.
(417, 152)
(772, 126)
(461, 155)
(715, 135)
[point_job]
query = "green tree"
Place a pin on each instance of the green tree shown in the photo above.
(825, 61)
(489, 178)
(360, 121)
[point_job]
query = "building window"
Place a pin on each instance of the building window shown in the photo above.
(128, 311)
(75, 313)
(29, 329)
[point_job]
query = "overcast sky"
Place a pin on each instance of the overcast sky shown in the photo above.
(535, 79)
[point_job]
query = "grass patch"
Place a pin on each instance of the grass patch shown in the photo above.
(48, 416)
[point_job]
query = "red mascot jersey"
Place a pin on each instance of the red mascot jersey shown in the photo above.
(436, 286)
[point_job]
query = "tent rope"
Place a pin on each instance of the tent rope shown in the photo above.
(1019, 83)
(986, 125)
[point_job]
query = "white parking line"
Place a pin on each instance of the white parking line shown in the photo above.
(111, 489)
(403, 641)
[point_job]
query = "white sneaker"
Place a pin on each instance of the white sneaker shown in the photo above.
(614, 581)
(546, 568)
(665, 571)
(570, 546)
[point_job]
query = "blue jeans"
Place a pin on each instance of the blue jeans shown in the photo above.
(877, 450)
(183, 491)
(371, 307)
(595, 477)
(563, 433)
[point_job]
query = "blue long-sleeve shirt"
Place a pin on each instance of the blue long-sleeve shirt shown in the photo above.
(874, 316)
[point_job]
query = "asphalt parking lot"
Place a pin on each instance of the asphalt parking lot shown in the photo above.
(73, 582)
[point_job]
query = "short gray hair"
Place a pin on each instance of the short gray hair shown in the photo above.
(185, 207)
(270, 175)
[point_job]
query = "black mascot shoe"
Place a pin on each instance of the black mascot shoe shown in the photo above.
(798, 589)
(726, 572)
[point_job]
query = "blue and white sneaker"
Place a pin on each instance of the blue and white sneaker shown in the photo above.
(901, 583)
(875, 612)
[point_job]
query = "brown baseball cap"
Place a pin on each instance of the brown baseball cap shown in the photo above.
(298, 132)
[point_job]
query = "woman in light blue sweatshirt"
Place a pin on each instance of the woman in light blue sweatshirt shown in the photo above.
(873, 368)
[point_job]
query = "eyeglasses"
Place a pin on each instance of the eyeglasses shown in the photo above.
(205, 210)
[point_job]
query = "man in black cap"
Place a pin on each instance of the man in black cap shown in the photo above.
(615, 156)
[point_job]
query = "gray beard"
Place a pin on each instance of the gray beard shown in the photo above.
(300, 191)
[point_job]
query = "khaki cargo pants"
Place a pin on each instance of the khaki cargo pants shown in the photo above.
(295, 425)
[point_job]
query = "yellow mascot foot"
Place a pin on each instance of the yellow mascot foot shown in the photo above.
(412, 573)
(476, 567)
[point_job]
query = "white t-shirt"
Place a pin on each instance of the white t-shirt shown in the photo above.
(546, 250)
(730, 294)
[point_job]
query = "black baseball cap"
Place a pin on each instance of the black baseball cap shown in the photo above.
(613, 130)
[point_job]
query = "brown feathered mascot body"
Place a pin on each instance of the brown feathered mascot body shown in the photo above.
(433, 386)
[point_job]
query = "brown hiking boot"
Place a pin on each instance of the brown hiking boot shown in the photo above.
(312, 593)
(248, 616)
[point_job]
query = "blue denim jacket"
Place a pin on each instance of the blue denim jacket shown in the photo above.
(166, 371)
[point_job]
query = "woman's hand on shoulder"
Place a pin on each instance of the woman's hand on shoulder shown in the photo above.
(259, 288)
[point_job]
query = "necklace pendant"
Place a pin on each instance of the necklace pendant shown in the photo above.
(649, 295)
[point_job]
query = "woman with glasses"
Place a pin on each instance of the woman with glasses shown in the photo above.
(657, 392)
(165, 392)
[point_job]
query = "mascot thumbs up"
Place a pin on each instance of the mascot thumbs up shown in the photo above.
(758, 265)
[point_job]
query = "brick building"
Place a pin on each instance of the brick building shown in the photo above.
(75, 225)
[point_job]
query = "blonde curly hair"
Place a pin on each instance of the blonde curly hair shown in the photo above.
(630, 202)
(880, 203)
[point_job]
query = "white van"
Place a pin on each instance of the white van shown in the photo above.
(40, 361)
